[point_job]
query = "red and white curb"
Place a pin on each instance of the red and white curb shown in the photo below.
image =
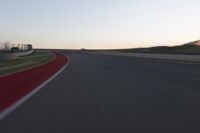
(14, 106)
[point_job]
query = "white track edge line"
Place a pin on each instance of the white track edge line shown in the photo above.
(14, 106)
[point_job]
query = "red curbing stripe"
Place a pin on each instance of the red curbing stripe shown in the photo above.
(16, 86)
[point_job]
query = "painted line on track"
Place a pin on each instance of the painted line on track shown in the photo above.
(170, 61)
(14, 106)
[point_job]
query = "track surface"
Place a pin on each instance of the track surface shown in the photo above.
(113, 94)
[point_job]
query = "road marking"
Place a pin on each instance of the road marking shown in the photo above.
(10, 109)
(171, 61)
(158, 59)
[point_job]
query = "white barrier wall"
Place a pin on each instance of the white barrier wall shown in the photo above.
(11, 56)
(24, 53)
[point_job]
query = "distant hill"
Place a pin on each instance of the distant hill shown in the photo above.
(188, 48)
(195, 43)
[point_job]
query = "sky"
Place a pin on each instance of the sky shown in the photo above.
(99, 24)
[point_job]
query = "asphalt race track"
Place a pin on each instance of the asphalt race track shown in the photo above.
(113, 94)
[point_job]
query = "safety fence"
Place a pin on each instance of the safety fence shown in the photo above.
(9, 51)
(6, 47)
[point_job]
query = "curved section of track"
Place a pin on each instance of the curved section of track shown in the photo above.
(16, 86)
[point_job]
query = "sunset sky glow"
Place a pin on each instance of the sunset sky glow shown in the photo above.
(99, 23)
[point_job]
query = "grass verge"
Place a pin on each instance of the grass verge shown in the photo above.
(23, 63)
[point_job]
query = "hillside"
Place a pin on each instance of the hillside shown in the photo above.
(188, 48)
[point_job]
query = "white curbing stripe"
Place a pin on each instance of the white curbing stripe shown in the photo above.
(14, 106)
